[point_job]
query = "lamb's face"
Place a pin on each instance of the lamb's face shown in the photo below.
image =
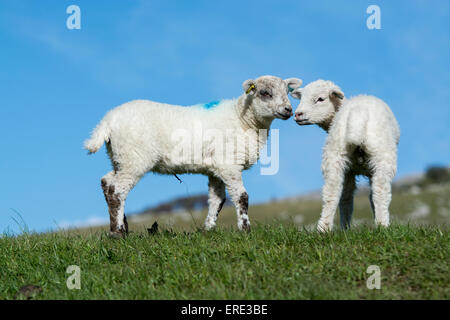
(319, 101)
(270, 96)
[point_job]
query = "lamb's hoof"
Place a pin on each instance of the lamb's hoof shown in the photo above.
(323, 227)
(381, 224)
(245, 228)
(209, 227)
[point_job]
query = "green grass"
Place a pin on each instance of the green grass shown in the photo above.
(404, 209)
(271, 262)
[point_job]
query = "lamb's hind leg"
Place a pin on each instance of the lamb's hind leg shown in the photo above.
(216, 200)
(333, 168)
(116, 186)
(346, 202)
(381, 180)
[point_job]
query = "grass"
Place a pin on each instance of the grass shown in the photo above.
(276, 261)
(431, 206)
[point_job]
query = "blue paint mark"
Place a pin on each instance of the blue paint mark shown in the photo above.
(210, 105)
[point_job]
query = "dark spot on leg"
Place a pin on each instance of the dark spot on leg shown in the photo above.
(245, 225)
(125, 224)
(243, 210)
(243, 203)
(113, 201)
(220, 206)
(104, 185)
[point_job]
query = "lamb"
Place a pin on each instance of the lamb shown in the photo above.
(363, 137)
(144, 136)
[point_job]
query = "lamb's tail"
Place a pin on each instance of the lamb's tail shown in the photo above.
(99, 136)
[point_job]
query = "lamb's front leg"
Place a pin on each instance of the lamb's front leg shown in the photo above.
(239, 196)
(333, 169)
(216, 200)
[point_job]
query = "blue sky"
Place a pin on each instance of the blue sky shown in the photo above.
(56, 84)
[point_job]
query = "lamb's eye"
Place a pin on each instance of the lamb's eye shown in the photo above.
(265, 93)
(320, 99)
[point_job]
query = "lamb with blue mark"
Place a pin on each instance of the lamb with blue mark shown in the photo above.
(144, 136)
(212, 104)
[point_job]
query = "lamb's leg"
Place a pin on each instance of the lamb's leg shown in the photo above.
(116, 186)
(239, 196)
(381, 180)
(333, 171)
(346, 202)
(216, 200)
(372, 206)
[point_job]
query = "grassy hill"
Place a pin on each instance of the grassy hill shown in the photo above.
(413, 203)
(282, 258)
(272, 262)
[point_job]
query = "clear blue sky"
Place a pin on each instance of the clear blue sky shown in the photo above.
(56, 84)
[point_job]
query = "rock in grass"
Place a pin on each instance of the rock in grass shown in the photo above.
(28, 291)
(153, 229)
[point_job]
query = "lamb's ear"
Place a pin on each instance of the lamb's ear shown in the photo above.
(249, 86)
(293, 83)
(297, 93)
(336, 92)
(336, 97)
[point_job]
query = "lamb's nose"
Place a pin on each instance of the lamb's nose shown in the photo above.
(298, 114)
(288, 109)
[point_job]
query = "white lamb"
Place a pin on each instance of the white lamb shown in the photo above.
(363, 136)
(143, 136)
